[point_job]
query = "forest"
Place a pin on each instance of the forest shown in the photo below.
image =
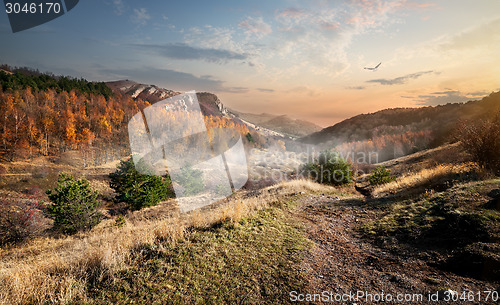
(22, 78)
(44, 115)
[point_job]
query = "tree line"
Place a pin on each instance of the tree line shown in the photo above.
(23, 78)
(49, 121)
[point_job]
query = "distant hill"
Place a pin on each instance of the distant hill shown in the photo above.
(289, 126)
(440, 121)
(255, 118)
(280, 123)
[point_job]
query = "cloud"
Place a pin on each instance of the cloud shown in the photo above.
(442, 98)
(419, 6)
(356, 88)
(234, 89)
(479, 93)
(485, 34)
(292, 12)
(304, 90)
(300, 40)
(119, 7)
(140, 16)
(220, 38)
(317, 38)
(172, 79)
(371, 13)
(182, 51)
(266, 90)
(329, 26)
(255, 26)
(399, 80)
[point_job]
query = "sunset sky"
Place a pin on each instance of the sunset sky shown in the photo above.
(301, 58)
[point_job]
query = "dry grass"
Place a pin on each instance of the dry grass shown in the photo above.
(424, 177)
(57, 270)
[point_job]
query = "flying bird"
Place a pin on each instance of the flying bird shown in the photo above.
(374, 68)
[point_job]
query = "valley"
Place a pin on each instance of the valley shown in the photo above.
(431, 230)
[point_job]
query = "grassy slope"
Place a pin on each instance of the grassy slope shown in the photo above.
(248, 249)
(254, 261)
(244, 249)
(446, 209)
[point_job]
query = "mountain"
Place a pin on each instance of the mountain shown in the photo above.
(150, 93)
(289, 126)
(280, 126)
(440, 121)
(255, 118)
(280, 123)
(210, 104)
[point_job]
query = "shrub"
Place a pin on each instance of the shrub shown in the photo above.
(328, 168)
(20, 219)
(137, 189)
(120, 221)
(74, 205)
(381, 175)
(191, 180)
(482, 141)
(250, 138)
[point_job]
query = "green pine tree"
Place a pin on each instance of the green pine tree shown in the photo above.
(74, 205)
(328, 168)
(137, 189)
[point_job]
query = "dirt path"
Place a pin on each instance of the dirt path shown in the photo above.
(341, 262)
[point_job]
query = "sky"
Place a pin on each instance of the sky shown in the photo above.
(305, 59)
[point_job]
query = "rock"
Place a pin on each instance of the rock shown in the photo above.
(495, 202)
(495, 194)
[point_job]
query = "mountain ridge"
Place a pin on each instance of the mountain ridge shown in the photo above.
(280, 126)
(441, 120)
(284, 124)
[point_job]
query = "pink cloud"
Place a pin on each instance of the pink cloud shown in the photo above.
(292, 13)
(255, 26)
(329, 26)
(411, 4)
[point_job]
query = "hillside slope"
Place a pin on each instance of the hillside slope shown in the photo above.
(150, 93)
(439, 120)
(210, 104)
(422, 236)
(281, 123)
